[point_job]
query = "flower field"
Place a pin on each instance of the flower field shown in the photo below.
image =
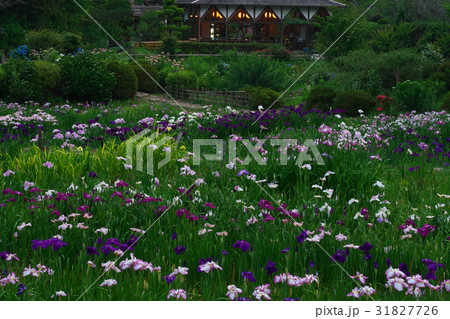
(366, 219)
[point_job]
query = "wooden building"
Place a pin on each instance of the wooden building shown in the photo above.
(281, 21)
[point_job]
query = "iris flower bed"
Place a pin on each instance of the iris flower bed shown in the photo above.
(78, 221)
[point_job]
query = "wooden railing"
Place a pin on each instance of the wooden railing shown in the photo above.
(229, 98)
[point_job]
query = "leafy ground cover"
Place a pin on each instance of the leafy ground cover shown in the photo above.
(80, 222)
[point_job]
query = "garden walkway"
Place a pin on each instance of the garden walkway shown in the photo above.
(165, 99)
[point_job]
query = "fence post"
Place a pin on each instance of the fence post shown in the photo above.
(41, 147)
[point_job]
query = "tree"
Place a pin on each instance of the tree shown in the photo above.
(150, 26)
(115, 16)
(333, 27)
(173, 17)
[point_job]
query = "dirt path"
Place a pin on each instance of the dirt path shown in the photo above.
(165, 99)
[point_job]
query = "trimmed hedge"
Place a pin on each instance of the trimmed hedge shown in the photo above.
(126, 80)
(216, 48)
(186, 79)
(145, 82)
(21, 82)
(321, 97)
(50, 76)
(169, 45)
(44, 39)
(86, 78)
(446, 102)
(72, 42)
(352, 101)
(263, 96)
(2, 82)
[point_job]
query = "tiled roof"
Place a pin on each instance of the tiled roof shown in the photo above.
(301, 3)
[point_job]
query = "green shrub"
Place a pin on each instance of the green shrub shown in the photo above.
(22, 81)
(49, 55)
(49, 76)
(72, 42)
(44, 39)
(277, 52)
(145, 82)
(446, 102)
(126, 80)
(415, 95)
(257, 70)
(12, 36)
(358, 71)
(86, 78)
(211, 80)
(200, 65)
(352, 101)
(321, 97)
(2, 82)
(443, 74)
(400, 65)
(169, 45)
(444, 45)
(264, 97)
(218, 47)
(186, 79)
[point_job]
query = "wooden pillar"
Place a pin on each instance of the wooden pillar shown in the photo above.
(308, 31)
(254, 24)
(282, 27)
(199, 30)
(226, 25)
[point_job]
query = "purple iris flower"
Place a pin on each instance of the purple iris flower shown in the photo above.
(92, 251)
(20, 288)
(242, 244)
(248, 275)
(179, 250)
(301, 238)
(270, 268)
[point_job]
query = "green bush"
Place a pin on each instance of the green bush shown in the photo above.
(321, 97)
(364, 70)
(277, 52)
(49, 76)
(72, 42)
(2, 82)
(352, 101)
(257, 70)
(163, 73)
(444, 45)
(446, 102)
(12, 36)
(211, 80)
(126, 80)
(217, 47)
(401, 65)
(200, 64)
(358, 71)
(44, 39)
(186, 79)
(264, 97)
(21, 82)
(86, 78)
(169, 45)
(415, 95)
(145, 82)
(443, 74)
